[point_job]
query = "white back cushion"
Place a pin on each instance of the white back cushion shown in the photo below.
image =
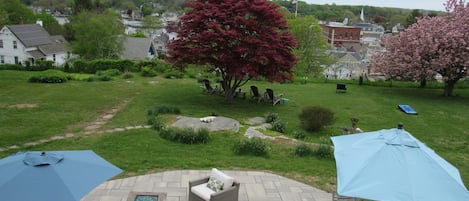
(220, 176)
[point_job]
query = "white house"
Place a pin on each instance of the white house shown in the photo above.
(349, 66)
(30, 42)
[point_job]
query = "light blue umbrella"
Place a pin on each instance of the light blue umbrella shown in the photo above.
(52, 176)
(393, 165)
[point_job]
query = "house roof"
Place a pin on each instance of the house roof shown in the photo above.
(58, 44)
(36, 54)
(136, 48)
(30, 34)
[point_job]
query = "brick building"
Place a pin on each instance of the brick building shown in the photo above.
(339, 35)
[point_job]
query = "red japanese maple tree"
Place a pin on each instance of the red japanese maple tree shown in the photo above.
(242, 39)
(432, 45)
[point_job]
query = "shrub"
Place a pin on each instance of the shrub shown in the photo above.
(300, 135)
(251, 146)
(315, 118)
(12, 67)
(127, 75)
(148, 72)
(105, 78)
(155, 122)
(303, 150)
(110, 72)
(271, 117)
(325, 151)
(50, 76)
(279, 126)
(186, 135)
(171, 74)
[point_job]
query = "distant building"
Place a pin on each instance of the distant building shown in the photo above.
(339, 35)
(138, 49)
(31, 42)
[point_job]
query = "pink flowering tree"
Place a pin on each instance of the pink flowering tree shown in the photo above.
(432, 45)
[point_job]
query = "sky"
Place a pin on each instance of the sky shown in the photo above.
(436, 5)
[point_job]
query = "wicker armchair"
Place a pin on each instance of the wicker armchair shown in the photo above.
(227, 194)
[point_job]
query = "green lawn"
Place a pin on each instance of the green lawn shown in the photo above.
(442, 122)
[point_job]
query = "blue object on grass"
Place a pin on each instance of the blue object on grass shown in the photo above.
(407, 109)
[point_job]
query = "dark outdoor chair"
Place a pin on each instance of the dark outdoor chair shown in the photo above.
(274, 99)
(208, 87)
(341, 87)
(256, 95)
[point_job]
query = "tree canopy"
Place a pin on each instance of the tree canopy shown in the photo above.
(97, 35)
(313, 46)
(429, 46)
(241, 39)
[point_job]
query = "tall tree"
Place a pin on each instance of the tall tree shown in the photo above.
(17, 12)
(241, 39)
(412, 17)
(432, 45)
(312, 49)
(98, 35)
(82, 5)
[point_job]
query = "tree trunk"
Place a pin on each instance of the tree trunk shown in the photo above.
(449, 86)
(229, 95)
(423, 82)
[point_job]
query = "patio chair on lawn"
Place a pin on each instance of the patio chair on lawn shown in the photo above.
(341, 87)
(216, 187)
(256, 95)
(208, 87)
(274, 99)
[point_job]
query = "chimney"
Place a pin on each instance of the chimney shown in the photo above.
(39, 21)
(21, 21)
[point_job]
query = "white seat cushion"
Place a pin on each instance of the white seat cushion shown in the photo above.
(220, 176)
(202, 191)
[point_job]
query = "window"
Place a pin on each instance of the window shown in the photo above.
(53, 55)
(17, 60)
(2, 59)
(15, 45)
(1, 43)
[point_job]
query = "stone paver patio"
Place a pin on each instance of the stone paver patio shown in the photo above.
(255, 186)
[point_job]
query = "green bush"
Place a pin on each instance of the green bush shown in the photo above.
(148, 72)
(109, 72)
(271, 117)
(155, 122)
(12, 67)
(105, 78)
(303, 150)
(279, 126)
(315, 118)
(252, 146)
(50, 76)
(325, 151)
(127, 75)
(173, 73)
(84, 66)
(186, 135)
(299, 135)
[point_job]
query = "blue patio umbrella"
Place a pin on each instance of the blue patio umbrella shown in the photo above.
(52, 176)
(391, 164)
